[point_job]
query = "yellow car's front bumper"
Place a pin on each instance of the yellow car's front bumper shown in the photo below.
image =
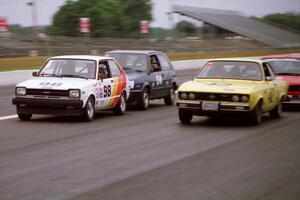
(212, 107)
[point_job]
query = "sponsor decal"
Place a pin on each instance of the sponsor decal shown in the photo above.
(50, 84)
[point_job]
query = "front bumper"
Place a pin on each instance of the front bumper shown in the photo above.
(292, 98)
(198, 108)
(48, 106)
(135, 95)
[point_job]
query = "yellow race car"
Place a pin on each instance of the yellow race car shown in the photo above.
(245, 87)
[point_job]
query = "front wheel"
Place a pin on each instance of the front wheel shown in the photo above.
(170, 99)
(184, 116)
(256, 115)
(121, 107)
(89, 110)
(144, 101)
(24, 117)
(276, 112)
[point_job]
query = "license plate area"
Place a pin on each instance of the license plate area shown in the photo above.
(210, 106)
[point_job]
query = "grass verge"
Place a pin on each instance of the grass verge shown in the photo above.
(26, 63)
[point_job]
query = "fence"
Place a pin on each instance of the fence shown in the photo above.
(20, 45)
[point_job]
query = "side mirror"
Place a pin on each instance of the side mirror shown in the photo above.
(34, 73)
(269, 78)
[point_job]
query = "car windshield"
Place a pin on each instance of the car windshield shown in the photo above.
(73, 68)
(286, 67)
(231, 70)
(131, 62)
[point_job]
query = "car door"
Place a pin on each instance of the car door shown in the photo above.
(104, 86)
(275, 83)
(167, 74)
(116, 80)
(156, 78)
(272, 92)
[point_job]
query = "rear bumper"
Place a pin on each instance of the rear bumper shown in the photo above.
(48, 106)
(196, 108)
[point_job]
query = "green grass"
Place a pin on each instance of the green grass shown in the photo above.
(21, 63)
(27, 63)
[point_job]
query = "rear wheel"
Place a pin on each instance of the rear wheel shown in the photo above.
(256, 115)
(170, 99)
(121, 107)
(24, 117)
(89, 110)
(144, 101)
(185, 116)
(277, 111)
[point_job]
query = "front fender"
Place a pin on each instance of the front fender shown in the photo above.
(254, 99)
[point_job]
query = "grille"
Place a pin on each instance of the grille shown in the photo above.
(214, 97)
(294, 88)
(45, 92)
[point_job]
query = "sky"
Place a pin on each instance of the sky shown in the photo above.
(17, 12)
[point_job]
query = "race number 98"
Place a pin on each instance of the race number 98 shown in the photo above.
(107, 91)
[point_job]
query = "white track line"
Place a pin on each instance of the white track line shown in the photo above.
(8, 117)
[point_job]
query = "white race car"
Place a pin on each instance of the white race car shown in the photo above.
(73, 85)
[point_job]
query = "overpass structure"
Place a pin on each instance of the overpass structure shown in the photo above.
(241, 25)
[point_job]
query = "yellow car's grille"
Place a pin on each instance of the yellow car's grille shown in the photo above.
(213, 97)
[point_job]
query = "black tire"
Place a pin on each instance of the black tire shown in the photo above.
(24, 117)
(185, 117)
(276, 112)
(89, 110)
(121, 107)
(256, 115)
(143, 103)
(170, 99)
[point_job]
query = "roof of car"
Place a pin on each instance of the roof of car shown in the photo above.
(237, 60)
(288, 56)
(134, 51)
(87, 57)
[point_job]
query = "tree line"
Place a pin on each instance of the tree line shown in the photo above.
(108, 18)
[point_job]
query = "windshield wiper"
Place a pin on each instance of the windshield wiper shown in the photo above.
(133, 69)
(288, 73)
(55, 75)
(73, 76)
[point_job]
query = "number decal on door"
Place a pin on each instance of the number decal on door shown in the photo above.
(158, 80)
(107, 91)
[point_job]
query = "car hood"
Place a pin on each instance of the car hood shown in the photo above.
(291, 80)
(55, 83)
(219, 86)
(137, 77)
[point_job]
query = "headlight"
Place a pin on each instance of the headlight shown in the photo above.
(21, 91)
(74, 93)
(244, 99)
(235, 98)
(183, 95)
(192, 96)
(138, 86)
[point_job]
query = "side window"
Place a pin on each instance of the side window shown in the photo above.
(114, 69)
(272, 73)
(165, 65)
(103, 71)
(268, 70)
(154, 64)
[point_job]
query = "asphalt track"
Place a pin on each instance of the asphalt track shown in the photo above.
(147, 155)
